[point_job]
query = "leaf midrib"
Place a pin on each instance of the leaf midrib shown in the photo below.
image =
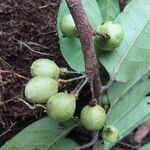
(61, 135)
(129, 87)
(125, 130)
(129, 127)
(127, 111)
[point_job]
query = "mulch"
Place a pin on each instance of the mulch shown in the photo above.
(22, 24)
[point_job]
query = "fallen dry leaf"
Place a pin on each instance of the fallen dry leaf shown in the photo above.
(142, 132)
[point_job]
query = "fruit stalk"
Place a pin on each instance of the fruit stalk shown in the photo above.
(85, 33)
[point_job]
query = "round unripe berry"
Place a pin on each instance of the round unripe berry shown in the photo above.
(67, 26)
(40, 88)
(61, 106)
(110, 134)
(45, 67)
(114, 36)
(93, 117)
(105, 100)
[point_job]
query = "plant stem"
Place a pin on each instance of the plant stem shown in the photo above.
(73, 79)
(85, 33)
(74, 72)
(94, 140)
(81, 86)
(109, 83)
(122, 4)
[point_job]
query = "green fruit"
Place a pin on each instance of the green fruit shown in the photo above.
(93, 117)
(40, 88)
(61, 106)
(104, 100)
(45, 67)
(67, 26)
(63, 71)
(115, 32)
(110, 134)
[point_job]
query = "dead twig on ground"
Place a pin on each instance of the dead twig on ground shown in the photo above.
(14, 73)
(32, 50)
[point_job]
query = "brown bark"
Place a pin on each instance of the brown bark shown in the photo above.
(122, 4)
(85, 33)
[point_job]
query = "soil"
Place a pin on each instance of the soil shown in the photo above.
(23, 21)
(28, 32)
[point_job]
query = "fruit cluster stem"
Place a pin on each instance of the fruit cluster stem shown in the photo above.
(85, 32)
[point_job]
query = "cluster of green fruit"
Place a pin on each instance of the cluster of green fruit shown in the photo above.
(43, 88)
(109, 34)
(108, 37)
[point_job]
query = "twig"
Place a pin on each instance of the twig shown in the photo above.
(73, 79)
(36, 44)
(122, 4)
(1, 81)
(14, 73)
(2, 122)
(94, 140)
(74, 72)
(8, 130)
(92, 89)
(23, 43)
(142, 132)
(26, 103)
(32, 107)
(48, 5)
(85, 33)
(105, 87)
(4, 64)
(80, 86)
(128, 145)
(7, 101)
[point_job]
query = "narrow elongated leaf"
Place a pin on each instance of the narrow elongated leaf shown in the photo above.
(134, 49)
(145, 147)
(71, 47)
(41, 135)
(118, 89)
(138, 115)
(109, 9)
(127, 103)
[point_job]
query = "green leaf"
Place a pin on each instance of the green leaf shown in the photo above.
(67, 143)
(145, 147)
(71, 47)
(41, 135)
(109, 9)
(118, 89)
(125, 60)
(136, 116)
(125, 97)
(128, 1)
(128, 102)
